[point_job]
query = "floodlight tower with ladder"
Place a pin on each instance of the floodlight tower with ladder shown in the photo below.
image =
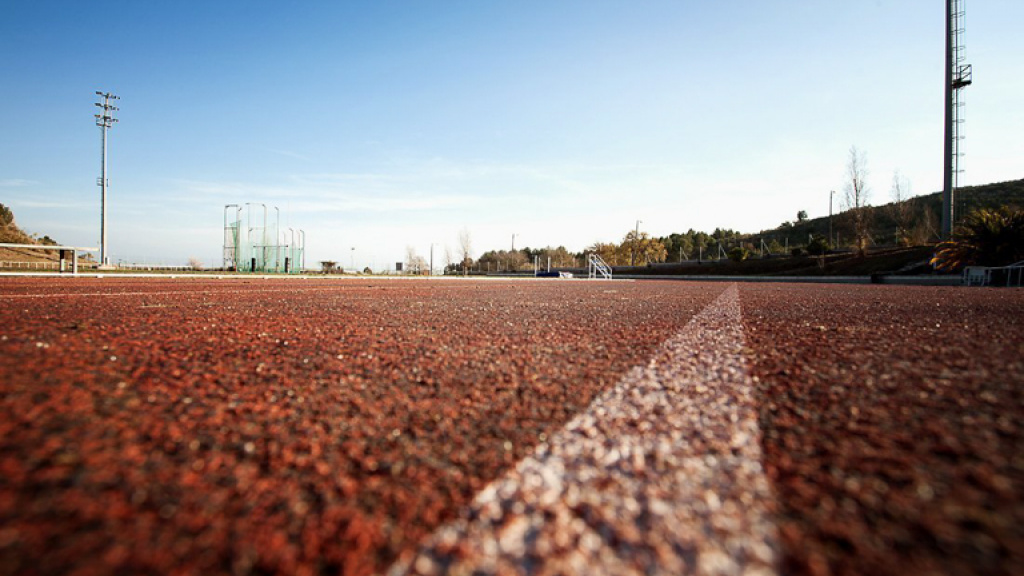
(958, 76)
(105, 121)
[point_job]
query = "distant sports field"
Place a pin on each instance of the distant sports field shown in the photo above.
(365, 426)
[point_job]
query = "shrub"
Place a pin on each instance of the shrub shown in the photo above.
(818, 246)
(986, 238)
(738, 254)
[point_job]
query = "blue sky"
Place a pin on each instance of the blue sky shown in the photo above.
(382, 125)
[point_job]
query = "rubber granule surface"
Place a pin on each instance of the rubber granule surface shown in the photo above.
(892, 425)
(299, 427)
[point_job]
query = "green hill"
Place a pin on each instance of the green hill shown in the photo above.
(924, 216)
(10, 233)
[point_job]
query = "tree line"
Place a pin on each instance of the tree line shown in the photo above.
(856, 226)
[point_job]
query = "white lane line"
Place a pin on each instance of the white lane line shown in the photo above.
(660, 475)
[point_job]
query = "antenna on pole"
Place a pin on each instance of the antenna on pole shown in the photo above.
(105, 121)
(958, 76)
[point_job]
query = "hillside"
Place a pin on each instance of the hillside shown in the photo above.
(19, 258)
(924, 211)
(879, 261)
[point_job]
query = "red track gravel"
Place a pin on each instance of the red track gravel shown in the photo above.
(892, 424)
(287, 426)
(322, 427)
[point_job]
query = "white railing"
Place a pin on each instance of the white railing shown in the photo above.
(30, 265)
(154, 267)
(975, 276)
(983, 275)
(596, 265)
(1014, 274)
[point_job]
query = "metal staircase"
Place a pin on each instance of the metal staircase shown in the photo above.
(597, 266)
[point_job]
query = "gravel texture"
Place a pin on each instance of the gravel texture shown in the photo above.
(292, 427)
(331, 427)
(892, 422)
(660, 475)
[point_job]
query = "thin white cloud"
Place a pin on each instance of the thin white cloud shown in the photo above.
(291, 154)
(19, 203)
(364, 204)
(16, 183)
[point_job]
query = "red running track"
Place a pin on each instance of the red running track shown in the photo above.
(893, 426)
(291, 426)
(287, 426)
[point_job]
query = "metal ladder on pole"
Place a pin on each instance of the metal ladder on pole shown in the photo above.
(596, 265)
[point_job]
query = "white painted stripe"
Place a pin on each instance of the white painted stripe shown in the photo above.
(660, 475)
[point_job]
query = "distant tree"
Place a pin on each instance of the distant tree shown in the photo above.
(724, 235)
(701, 241)
(856, 199)
(503, 259)
(901, 210)
(560, 256)
(195, 263)
(801, 216)
(678, 246)
(643, 248)
(516, 259)
(985, 238)
(414, 263)
(818, 246)
(608, 252)
(738, 254)
(6, 216)
(926, 227)
(466, 250)
(47, 241)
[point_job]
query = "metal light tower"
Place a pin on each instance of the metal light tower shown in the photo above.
(958, 75)
(105, 121)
